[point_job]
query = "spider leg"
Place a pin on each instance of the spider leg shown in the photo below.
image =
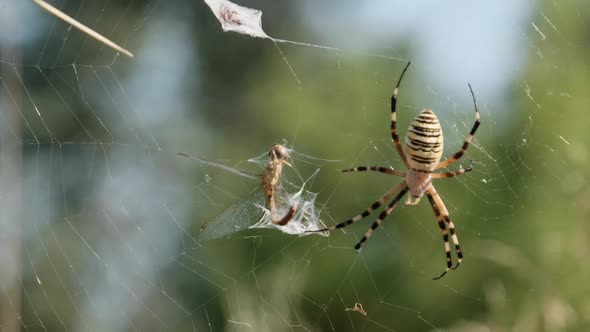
(453, 173)
(468, 139)
(373, 207)
(386, 170)
(442, 215)
(394, 135)
(382, 216)
(445, 235)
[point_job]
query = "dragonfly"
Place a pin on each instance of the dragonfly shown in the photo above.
(269, 202)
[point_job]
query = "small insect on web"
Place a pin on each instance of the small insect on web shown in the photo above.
(274, 203)
(424, 148)
(237, 18)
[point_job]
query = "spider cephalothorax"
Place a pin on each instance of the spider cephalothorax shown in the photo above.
(424, 147)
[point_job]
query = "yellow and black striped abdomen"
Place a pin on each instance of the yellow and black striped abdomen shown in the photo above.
(424, 142)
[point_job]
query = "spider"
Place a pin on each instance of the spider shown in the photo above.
(277, 156)
(424, 146)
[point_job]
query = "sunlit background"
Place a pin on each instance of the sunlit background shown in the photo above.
(101, 220)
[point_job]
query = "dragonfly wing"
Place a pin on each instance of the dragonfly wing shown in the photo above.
(237, 217)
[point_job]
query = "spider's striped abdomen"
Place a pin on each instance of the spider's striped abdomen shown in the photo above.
(424, 142)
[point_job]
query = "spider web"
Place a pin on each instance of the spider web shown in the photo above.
(101, 220)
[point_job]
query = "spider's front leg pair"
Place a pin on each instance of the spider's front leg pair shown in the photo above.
(424, 146)
(440, 211)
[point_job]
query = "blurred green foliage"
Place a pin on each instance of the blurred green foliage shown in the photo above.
(525, 234)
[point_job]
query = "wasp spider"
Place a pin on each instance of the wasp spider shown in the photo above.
(277, 156)
(424, 146)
